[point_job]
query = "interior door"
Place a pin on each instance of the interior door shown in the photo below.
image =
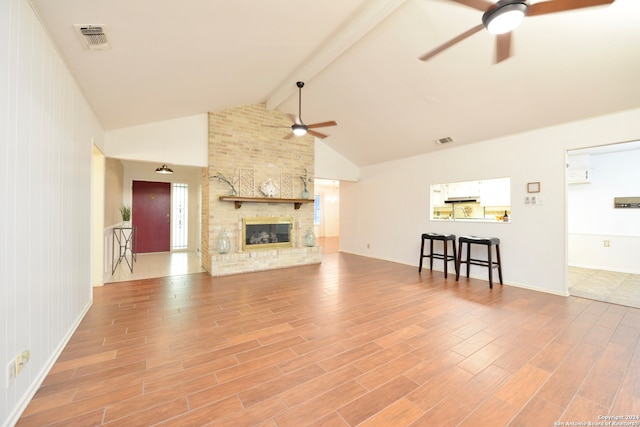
(151, 215)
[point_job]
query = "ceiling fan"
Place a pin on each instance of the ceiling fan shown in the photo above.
(502, 17)
(299, 128)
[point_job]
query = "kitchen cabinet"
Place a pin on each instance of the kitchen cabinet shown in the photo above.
(496, 192)
(482, 200)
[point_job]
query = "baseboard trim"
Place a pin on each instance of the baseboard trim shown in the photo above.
(39, 379)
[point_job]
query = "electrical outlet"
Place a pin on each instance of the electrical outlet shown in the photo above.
(368, 245)
(606, 243)
(11, 373)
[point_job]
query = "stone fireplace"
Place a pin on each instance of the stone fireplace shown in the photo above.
(247, 148)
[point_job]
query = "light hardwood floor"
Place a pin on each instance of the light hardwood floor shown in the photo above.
(352, 341)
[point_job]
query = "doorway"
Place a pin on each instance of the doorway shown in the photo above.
(603, 241)
(326, 216)
(151, 215)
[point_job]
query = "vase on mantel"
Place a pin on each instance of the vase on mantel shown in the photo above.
(305, 194)
(224, 244)
(309, 238)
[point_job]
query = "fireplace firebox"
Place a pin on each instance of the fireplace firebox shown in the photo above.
(266, 232)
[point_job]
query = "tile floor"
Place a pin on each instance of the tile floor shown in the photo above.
(159, 264)
(608, 286)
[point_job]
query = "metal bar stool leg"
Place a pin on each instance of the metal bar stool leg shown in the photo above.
(455, 258)
(490, 264)
(499, 262)
(446, 258)
(468, 258)
(430, 254)
(421, 256)
(459, 261)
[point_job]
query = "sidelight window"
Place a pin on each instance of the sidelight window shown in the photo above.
(179, 215)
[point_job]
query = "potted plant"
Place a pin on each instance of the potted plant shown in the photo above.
(125, 212)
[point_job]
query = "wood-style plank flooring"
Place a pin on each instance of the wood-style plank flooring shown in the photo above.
(352, 341)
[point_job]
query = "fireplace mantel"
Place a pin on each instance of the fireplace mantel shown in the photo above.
(239, 200)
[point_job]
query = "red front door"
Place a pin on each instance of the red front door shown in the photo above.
(151, 214)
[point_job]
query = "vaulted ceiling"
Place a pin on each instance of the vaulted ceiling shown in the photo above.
(359, 61)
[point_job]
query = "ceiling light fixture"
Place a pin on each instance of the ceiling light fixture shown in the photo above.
(299, 129)
(505, 17)
(164, 170)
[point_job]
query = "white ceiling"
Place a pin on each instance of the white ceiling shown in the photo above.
(358, 58)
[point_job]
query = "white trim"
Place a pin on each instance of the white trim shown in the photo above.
(39, 379)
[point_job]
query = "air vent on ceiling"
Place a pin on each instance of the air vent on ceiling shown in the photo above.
(93, 36)
(445, 140)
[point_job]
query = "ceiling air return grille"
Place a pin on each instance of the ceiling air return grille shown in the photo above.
(445, 140)
(93, 36)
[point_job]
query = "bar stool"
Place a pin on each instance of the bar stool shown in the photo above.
(443, 256)
(489, 263)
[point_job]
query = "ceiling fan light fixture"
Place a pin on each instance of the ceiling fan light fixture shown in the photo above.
(298, 129)
(164, 170)
(505, 17)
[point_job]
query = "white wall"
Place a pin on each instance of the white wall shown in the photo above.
(97, 216)
(331, 165)
(592, 219)
(46, 131)
(389, 208)
(182, 141)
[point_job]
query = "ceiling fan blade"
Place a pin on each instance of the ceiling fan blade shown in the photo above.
(503, 46)
(451, 42)
(323, 124)
(289, 136)
(481, 5)
(563, 5)
(317, 134)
